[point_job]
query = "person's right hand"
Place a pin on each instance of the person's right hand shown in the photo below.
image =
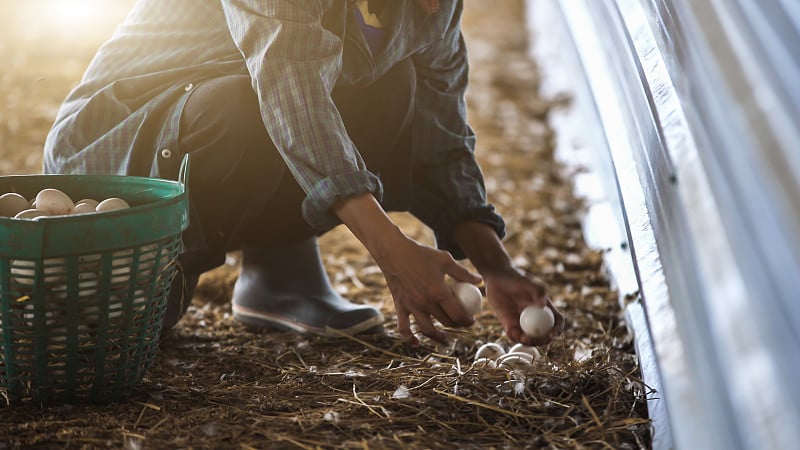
(415, 275)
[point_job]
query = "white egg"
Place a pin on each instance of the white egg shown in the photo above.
(12, 203)
(147, 256)
(115, 311)
(24, 272)
(490, 351)
(83, 208)
(470, 296)
(536, 321)
(112, 204)
(30, 214)
(54, 202)
(87, 285)
(121, 262)
(89, 201)
(30, 315)
(522, 348)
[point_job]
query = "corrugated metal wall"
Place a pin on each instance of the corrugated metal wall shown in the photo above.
(698, 107)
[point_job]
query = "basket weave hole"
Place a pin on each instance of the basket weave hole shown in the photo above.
(139, 299)
(56, 338)
(89, 263)
(24, 271)
(87, 284)
(148, 256)
(30, 314)
(121, 266)
(91, 313)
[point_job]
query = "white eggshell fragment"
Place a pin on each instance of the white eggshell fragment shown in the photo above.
(515, 360)
(536, 321)
(522, 348)
(12, 203)
(527, 357)
(485, 362)
(54, 202)
(112, 204)
(490, 351)
(30, 214)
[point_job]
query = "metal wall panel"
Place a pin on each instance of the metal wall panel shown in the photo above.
(699, 103)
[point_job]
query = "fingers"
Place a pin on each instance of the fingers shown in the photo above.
(419, 289)
(449, 312)
(426, 327)
(404, 327)
(558, 327)
(461, 273)
(455, 313)
(438, 312)
(538, 293)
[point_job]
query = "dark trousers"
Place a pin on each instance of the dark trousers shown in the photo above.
(241, 192)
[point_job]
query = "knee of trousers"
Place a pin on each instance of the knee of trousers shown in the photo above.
(221, 126)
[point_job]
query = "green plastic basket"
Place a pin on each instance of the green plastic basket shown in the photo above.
(82, 298)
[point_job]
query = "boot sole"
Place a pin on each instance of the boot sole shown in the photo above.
(259, 319)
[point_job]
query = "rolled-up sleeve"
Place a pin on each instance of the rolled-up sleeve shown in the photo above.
(294, 62)
(448, 186)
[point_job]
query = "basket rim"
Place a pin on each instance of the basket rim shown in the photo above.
(159, 208)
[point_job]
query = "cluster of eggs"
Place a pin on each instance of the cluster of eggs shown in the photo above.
(518, 357)
(90, 271)
(53, 202)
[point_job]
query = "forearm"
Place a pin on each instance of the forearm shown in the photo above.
(483, 247)
(369, 223)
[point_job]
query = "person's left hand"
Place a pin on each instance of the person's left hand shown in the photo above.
(508, 292)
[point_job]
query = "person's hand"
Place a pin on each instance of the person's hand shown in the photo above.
(509, 291)
(415, 275)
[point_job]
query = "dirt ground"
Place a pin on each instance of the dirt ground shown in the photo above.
(217, 384)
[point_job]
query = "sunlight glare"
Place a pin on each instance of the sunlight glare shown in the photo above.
(73, 13)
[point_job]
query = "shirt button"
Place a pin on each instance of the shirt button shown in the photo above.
(166, 153)
(188, 87)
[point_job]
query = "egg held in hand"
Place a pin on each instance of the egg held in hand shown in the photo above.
(470, 296)
(536, 321)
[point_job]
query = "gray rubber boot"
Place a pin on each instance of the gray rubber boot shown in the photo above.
(287, 288)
